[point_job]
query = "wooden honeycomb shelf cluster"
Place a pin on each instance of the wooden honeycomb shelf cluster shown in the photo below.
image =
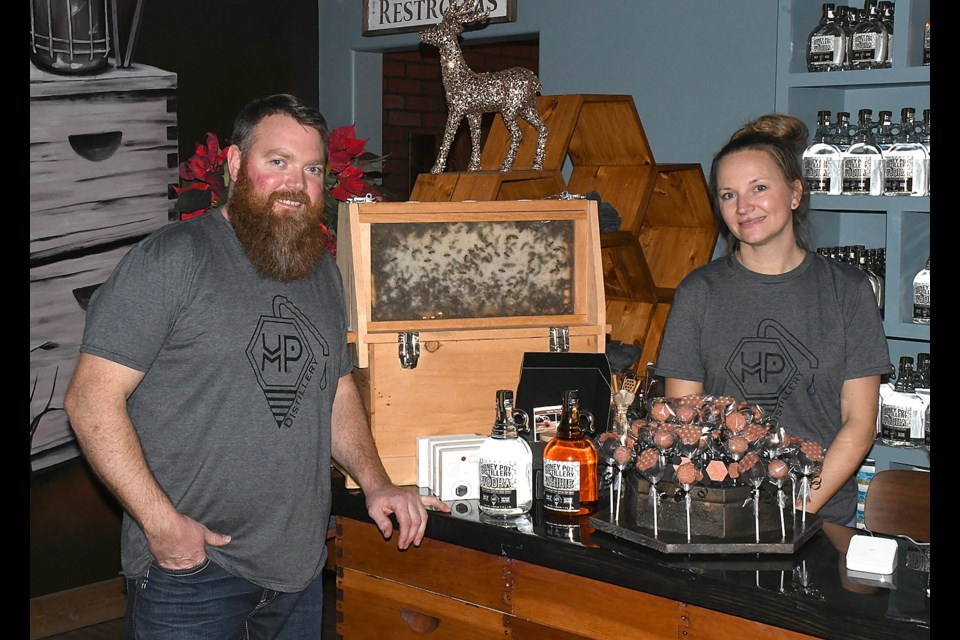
(667, 227)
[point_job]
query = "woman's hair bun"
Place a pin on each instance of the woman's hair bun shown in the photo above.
(788, 128)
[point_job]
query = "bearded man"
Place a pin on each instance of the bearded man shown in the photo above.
(212, 390)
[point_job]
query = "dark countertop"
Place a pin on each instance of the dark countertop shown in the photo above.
(808, 591)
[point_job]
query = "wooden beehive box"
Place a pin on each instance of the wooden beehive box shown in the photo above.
(666, 228)
(480, 283)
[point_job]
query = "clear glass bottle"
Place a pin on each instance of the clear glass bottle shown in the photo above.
(875, 282)
(924, 139)
(886, 130)
(821, 160)
(826, 44)
(570, 480)
(875, 269)
(886, 10)
(921, 295)
(843, 132)
(506, 463)
(922, 377)
(862, 164)
(901, 422)
(868, 42)
(926, 43)
(851, 18)
(905, 163)
(887, 383)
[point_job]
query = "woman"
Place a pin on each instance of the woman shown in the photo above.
(778, 325)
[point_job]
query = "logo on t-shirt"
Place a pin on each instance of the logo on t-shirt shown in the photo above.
(768, 368)
(283, 352)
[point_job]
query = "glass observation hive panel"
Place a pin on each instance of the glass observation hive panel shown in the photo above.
(450, 270)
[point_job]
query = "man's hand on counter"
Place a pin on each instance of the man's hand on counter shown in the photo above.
(408, 506)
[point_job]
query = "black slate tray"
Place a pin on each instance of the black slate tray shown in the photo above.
(798, 532)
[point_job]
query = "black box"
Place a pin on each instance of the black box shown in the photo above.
(543, 379)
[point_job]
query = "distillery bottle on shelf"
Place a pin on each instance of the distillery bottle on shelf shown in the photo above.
(922, 377)
(924, 138)
(843, 132)
(868, 46)
(901, 416)
(921, 295)
(886, 131)
(926, 43)
(875, 282)
(849, 18)
(821, 160)
(885, 9)
(506, 462)
(863, 162)
(905, 163)
(888, 383)
(570, 481)
(827, 43)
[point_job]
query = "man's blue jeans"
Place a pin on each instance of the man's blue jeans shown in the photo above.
(207, 603)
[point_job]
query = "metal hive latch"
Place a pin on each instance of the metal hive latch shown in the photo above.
(409, 348)
(559, 339)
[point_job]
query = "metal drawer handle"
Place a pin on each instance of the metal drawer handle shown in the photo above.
(419, 622)
(96, 146)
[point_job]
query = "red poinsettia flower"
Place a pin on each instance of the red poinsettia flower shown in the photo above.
(206, 166)
(350, 182)
(343, 147)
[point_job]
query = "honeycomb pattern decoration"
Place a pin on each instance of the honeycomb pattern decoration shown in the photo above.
(667, 226)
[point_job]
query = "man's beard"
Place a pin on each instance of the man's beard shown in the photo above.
(282, 246)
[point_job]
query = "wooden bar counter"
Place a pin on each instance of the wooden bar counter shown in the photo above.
(559, 580)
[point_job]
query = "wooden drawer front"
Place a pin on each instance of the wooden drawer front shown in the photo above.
(56, 316)
(119, 190)
(452, 390)
(607, 611)
(521, 629)
(371, 607)
(464, 574)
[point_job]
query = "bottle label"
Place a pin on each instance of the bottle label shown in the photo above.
(561, 485)
(921, 302)
(825, 53)
(818, 172)
(903, 175)
(864, 47)
(902, 422)
(823, 46)
(856, 174)
(498, 484)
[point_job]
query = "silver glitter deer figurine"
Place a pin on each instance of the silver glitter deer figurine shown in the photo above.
(511, 92)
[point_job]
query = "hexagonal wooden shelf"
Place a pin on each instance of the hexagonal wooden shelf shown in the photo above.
(667, 227)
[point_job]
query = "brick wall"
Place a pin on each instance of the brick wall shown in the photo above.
(415, 108)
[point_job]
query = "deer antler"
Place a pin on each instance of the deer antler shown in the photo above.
(464, 12)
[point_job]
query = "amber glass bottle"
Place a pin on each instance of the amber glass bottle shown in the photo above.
(570, 484)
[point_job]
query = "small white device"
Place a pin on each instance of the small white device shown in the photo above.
(425, 446)
(457, 471)
(871, 554)
(459, 474)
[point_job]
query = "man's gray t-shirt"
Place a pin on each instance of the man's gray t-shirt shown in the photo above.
(233, 412)
(785, 342)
